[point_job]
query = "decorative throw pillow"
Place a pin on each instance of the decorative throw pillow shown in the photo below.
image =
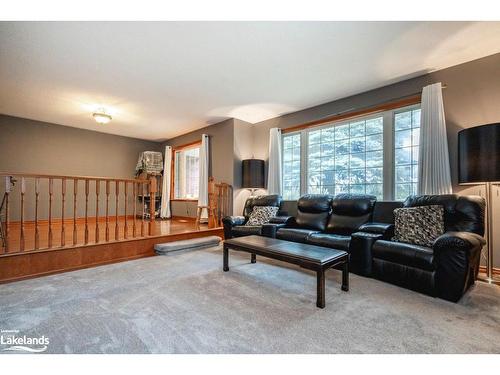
(261, 215)
(419, 225)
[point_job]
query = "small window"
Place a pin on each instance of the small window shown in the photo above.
(186, 178)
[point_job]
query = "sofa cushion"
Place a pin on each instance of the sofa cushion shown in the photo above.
(294, 234)
(313, 211)
(416, 256)
(349, 212)
(333, 241)
(260, 200)
(246, 230)
(418, 225)
(261, 215)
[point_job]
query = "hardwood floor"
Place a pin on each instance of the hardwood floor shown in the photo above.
(18, 265)
(115, 232)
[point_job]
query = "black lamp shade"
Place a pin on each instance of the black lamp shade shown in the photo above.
(253, 173)
(479, 154)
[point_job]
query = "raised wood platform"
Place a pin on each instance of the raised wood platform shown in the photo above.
(18, 266)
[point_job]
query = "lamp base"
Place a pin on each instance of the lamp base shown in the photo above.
(489, 280)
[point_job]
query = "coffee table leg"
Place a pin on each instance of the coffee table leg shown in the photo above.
(225, 256)
(320, 289)
(253, 259)
(345, 276)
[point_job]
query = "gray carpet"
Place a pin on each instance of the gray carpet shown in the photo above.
(184, 303)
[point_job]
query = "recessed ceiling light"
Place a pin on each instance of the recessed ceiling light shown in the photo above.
(101, 116)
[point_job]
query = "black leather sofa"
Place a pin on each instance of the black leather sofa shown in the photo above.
(364, 228)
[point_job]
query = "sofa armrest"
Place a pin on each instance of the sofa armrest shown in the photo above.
(360, 252)
(229, 222)
(280, 219)
(457, 256)
(386, 230)
(269, 230)
(233, 220)
(465, 241)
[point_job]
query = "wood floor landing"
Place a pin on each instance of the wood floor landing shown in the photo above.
(34, 263)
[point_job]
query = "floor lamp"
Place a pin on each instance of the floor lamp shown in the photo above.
(479, 163)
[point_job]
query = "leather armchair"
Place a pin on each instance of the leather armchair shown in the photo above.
(234, 226)
(450, 266)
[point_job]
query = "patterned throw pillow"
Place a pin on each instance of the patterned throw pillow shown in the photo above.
(261, 215)
(419, 225)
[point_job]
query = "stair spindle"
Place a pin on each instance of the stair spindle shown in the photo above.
(23, 191)
(143, 213)
(134, 233)
(125, 233)
(63, 207)
(8, 188)
(107, 210)
(37, 200)
(97, 191)
(75, 193)
(117, 192)
(86, 240)
(51, 198)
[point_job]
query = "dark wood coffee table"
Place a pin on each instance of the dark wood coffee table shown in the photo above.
(312, 257)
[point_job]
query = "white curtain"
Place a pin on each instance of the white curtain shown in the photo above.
(203, 176)
(274, 178)
(165, 189)
(433, 163)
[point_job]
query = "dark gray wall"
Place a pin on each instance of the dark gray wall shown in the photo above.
(38, 147)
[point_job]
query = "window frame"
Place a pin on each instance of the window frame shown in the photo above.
(184, 147)
(388, 151)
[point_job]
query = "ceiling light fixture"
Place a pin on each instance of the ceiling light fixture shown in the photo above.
(101, 116)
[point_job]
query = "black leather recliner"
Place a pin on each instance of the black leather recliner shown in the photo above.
(234, 226)
(450, 266)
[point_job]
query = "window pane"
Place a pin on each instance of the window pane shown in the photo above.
(406, 142)
(374, 159)
(374, 126)
(186, 179)
(374, 142)
(403, 191)
(291, 166)
(402, 138)
(341, 131)
(357, 129)
(339, 157)
(402, 120)
(403, 156)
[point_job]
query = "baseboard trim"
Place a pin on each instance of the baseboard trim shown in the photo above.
(496, 271)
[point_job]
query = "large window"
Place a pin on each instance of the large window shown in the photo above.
(187, 164)
(376, 154)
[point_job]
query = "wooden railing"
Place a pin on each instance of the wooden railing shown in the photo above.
(24, 225)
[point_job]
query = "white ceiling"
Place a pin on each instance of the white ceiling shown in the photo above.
(163, 79)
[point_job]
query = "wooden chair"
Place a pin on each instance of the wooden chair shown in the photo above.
(219, 201)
